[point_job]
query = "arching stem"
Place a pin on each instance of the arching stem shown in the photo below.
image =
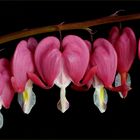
(69, 26)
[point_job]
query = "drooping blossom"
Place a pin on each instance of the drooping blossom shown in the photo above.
(124, 42)
(60, 63)
(22, 63)
(101, 72)
(6, 89)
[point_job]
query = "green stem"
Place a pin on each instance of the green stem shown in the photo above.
(69, 26)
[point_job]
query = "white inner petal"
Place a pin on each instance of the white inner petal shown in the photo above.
(1, 103)
(1, 120)
(62, 81)
(97, 83)
(63, 103)
(100, 96)
(118, 82)
(27, 99)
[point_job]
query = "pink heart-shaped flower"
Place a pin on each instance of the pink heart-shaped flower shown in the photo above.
(22, 63)
(124, 42)
(6, 89)
(60, 63)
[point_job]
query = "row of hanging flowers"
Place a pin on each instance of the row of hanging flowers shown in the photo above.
(83, 63)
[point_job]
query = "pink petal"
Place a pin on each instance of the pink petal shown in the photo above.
(6, 89)
(52, 64)
(18, 88)
(32, 44)
(89, 75)
(36, 80)
(1, 83)
(89, 45)
(76, 57)
(105, 58)
(4, 64)
(49, 66)
(4, 77)
(126, 49)
(21, 64)
(7, 95)
(114, 34)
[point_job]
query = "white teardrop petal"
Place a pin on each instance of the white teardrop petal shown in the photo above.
(29, 105)
(105, 96)
(1, 103)
(63, 107)
(128, 80)
(1, 120)
(100, 99)
(20, 99)
(63, 103)
(118, 83)
(117, 80)
(121, 95)
(27, 99)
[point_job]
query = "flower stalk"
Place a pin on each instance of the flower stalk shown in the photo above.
(68, 26)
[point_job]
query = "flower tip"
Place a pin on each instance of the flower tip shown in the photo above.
(63, 107)
(1, 120)
(125, 90)
(100, 98)
(103, 110)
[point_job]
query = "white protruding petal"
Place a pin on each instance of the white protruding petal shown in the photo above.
(1, 103)
(118, 82)
(121, 95)
(100, 98)
(20, 99)
(27, 99)
(128, 80)
(63, 103)
(62, 81)
(97, 82)
(1, 120)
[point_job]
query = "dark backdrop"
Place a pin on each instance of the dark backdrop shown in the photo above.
(82, 120)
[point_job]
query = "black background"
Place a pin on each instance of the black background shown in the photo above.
(82, 120)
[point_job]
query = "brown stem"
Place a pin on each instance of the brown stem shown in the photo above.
(69, 26)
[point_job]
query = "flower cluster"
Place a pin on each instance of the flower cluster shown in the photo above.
(72, 60)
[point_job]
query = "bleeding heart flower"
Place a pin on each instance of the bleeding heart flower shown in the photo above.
(60, 63)
(103, 65)
(22, 63)
(6, 89)
(124, 43)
